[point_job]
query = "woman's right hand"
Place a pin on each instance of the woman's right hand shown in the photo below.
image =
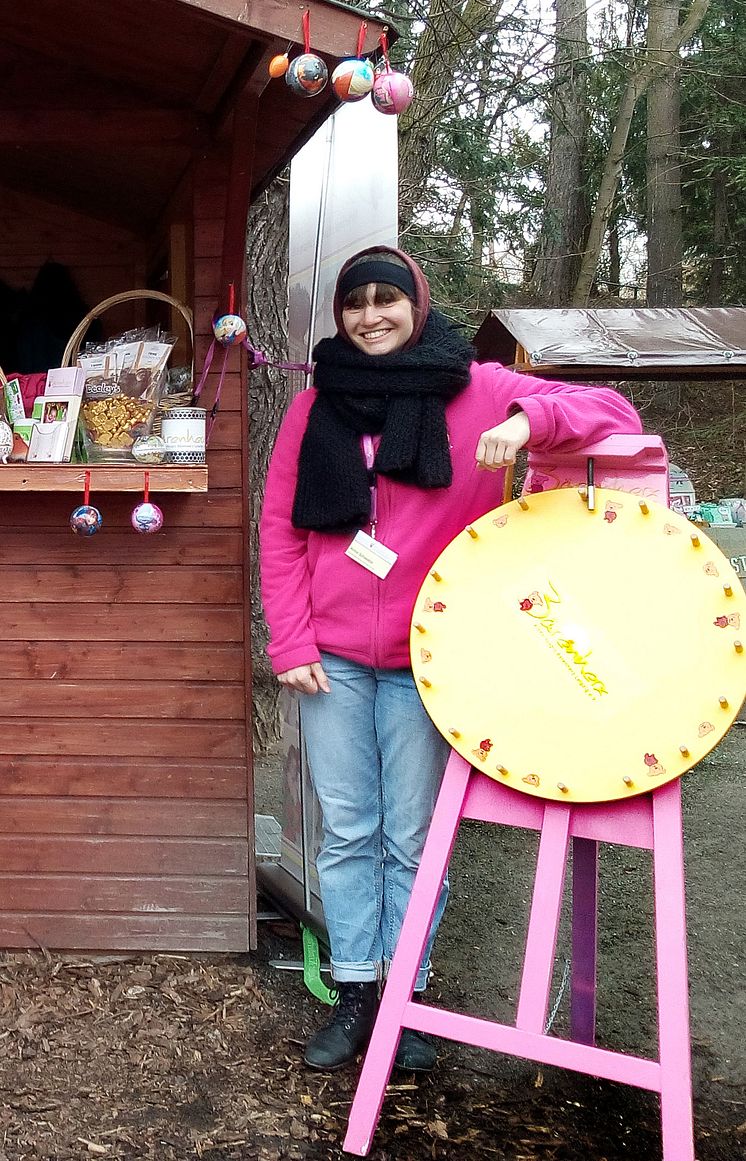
(306, 679)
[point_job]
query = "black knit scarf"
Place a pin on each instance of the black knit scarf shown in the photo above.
(403, 396)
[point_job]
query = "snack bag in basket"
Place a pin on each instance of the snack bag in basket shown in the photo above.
(125, 378)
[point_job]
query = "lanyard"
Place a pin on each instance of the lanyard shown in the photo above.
(369, 458)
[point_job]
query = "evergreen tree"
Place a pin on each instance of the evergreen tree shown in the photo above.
(714, 158)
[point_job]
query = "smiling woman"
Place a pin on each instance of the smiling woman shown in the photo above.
(378, 318)
(373, 473)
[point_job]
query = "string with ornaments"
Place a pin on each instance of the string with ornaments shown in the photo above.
(86, 520)
(306, 75)
(229, 330)
(354, 77)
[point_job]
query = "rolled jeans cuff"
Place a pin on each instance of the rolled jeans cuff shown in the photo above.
(355, 973)
(365, 973)
(423, 975)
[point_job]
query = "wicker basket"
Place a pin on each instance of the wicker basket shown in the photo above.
(167, 403)
(72, 350)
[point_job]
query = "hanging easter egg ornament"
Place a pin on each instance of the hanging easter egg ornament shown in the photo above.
(278, 66)
(307, 74)
(147, 517)
(393, 92)
(86, 520)
(352, 80)
(229, 329)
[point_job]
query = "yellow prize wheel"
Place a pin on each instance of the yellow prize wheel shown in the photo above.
(581, 655)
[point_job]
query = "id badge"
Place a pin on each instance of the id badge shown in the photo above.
(371, 554)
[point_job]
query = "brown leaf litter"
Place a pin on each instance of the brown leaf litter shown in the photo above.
(173, 1057)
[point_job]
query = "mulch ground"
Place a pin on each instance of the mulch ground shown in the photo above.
(179, 1056)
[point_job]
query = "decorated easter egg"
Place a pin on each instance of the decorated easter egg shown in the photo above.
(149, 449)
(278, 66)
(392, 93)
(353, 79)
(85, 520)
(147, 517)
(229, 329)
(307, 75)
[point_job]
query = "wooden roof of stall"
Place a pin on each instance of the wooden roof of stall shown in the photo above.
(618, 343)
(104, 105)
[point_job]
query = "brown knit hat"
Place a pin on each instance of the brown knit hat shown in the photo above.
(421, 302)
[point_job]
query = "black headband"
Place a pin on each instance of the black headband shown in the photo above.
(376, 270)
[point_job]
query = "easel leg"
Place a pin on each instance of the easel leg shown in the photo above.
(379, 1058)
(584, 940)
(543, 924)
(673, 988)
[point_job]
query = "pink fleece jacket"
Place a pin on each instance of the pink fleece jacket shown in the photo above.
(316, 598)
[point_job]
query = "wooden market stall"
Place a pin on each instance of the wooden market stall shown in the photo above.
(133, 137)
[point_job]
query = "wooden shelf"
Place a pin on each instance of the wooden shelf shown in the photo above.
(104, 477)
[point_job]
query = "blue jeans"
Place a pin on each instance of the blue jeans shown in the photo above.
(376, 762)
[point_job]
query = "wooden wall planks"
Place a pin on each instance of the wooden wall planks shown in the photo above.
(126, 809)
(121, 854)
(121, 816)
(139, 586)
(128, 777)
(217, 932)
(122, 737)
(177, 894)
(120, 623)
(216, 509)
(33, 230)
(193, 700)
(25, 547)
(82, 661)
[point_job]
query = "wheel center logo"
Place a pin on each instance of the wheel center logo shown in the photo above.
(545, 611)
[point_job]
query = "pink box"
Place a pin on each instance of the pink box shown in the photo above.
(630, 463)
(64, 381)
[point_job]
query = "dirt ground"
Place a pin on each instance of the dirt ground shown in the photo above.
(182, 1056)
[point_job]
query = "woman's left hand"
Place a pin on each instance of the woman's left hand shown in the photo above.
(499, 445)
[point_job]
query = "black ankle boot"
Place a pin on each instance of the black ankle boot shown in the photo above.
(348, 1031)
(416, 1051)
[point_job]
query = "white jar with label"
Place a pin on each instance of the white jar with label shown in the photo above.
(183, 432)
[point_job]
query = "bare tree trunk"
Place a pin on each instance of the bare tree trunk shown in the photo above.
(665, 246)
(267, 243)
(636, 87)
(566, 212)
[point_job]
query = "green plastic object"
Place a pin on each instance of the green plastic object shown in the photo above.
(312, 969)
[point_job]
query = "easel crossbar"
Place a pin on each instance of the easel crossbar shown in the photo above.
(596, 821)
(600, 1062)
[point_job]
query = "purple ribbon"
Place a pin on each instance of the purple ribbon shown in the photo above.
(256, 359)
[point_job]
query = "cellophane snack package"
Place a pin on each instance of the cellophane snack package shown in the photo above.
(124, 382)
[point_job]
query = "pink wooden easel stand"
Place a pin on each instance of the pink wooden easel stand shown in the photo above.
(651, 821)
